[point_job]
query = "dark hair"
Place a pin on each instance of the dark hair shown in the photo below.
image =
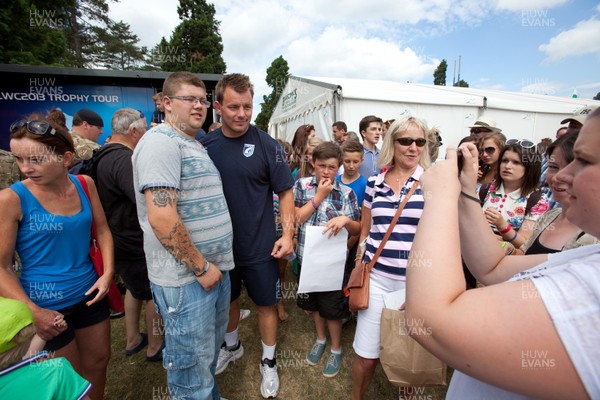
(287, 149)
(58, 117)
(500, 141)
(468, 139)
(238, 82)
(366, 121)
(530, 159)
(327, 150)
(341, 125)
(352, 146)
(299, 143)
(54, 143)
(174, 82)
(565, 143)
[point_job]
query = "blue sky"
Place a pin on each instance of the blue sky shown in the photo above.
(539, 46)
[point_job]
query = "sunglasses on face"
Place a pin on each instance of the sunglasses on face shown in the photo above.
(477, 131)
(407, 141)
(524, 143)
(39, 128)
(488, 150)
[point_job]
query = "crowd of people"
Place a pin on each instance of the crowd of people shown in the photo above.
(187, 219)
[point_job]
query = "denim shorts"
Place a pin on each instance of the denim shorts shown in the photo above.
(194, 327)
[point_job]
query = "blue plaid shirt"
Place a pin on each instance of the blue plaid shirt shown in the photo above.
(341, 201)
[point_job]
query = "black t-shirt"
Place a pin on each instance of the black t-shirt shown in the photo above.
(252, 168)
(115, 188)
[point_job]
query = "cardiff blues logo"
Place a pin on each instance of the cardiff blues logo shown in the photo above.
(248, 150)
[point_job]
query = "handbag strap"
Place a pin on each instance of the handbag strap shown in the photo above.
(84, 185)
(392, 224)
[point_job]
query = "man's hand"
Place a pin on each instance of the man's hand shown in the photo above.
(283, 247)
(210, 278)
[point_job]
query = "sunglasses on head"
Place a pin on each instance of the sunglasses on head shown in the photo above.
(479, 130)
(36, 127)
(407, 141)
(488, 150)
(524, 143)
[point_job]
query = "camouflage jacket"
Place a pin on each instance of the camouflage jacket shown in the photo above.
(9, 171)
(84, 148)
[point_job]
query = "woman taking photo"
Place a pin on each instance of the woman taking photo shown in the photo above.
(532, 331)
(507, 206)
(490, 146)
(404, 155)
(47, 219)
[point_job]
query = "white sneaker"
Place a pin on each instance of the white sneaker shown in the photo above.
(244, 313)
(269, 387)
(226, 356)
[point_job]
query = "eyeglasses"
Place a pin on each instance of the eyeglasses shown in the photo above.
(488, 150)
(524, 143)
(36, 127)
(407, 141)
(191, 100)
(477, 131)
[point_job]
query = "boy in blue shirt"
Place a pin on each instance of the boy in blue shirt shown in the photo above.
(321, 200)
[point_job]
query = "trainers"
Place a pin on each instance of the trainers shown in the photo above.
(269, 387)
(228, 355)
(244, 313)
(333, 365)
(316, 352)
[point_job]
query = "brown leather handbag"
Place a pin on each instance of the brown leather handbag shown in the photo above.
(358, 283)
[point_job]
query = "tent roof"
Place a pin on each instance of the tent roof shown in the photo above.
(448, 95)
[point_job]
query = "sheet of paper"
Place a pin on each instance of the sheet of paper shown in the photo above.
(395, 299)
(323, 261)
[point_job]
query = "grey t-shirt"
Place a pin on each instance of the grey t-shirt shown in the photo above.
(569, 285)
(165, 158)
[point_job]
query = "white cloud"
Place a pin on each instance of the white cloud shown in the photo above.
(149, 20)
(338, 53)
(524, 5)
(583, 39)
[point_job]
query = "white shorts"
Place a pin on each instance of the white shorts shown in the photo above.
(366, 337)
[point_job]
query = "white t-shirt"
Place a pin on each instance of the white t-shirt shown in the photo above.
(569, 285)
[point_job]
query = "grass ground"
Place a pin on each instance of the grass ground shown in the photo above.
(135, 379)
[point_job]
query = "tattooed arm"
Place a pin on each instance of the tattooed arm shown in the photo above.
(171, 232)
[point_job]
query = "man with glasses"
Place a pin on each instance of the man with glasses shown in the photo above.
(86, 130)
(483, 125)
(188, 238)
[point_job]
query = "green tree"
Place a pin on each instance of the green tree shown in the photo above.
(118, 48)
(32, 33)
(196, 43)
(439, 75)
(597, 96)
(462, 83)
(277, 76)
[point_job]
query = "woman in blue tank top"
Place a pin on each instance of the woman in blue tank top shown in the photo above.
(46, 219)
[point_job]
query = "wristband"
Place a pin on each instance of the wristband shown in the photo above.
(315, 206)
(468, 196)
(206, 267)
(506, 230)
(513, 238)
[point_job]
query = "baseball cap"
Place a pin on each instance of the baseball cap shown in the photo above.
(14, 316)
(580, 114)
(89, 116)
(485, 122)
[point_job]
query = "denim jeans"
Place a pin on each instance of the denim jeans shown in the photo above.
(195, 322)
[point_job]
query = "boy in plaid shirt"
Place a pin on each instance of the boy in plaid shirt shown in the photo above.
(321, 200)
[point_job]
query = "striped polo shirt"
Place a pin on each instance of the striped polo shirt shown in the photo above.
(380, 199)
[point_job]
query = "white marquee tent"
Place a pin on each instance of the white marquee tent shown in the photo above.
(322, 101)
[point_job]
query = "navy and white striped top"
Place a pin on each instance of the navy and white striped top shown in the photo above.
(380, 199)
